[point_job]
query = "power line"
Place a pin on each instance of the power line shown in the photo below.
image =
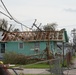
(6, 9)
(5, 14)
(2, 7)
(12, 18)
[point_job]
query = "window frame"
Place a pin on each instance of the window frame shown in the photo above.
(2, 50)
(37, 47)
(21, 44)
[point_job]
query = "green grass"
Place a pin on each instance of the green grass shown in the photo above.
(64, 64)
(35, 74)
(36, 66)
(42, 65)
(73, 57)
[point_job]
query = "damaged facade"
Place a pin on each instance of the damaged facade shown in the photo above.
(32, 42)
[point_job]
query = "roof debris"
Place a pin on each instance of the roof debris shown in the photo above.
(33, 36)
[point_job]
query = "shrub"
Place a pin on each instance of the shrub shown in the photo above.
(14, 58)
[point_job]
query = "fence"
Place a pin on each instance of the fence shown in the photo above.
(54, 68)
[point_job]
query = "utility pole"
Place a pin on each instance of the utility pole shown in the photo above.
(73, 32)
(36, 25)
(63, 52)
(47, 50)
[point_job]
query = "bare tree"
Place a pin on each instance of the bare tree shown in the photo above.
(3, 24)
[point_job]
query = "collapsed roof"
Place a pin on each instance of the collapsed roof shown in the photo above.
(33, 36)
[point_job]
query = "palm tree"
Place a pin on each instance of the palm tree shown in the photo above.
(50, 27)
(16, 30)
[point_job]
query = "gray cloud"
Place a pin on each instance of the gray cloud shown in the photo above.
(70, 10)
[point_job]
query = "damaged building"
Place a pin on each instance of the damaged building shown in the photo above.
(32, 42)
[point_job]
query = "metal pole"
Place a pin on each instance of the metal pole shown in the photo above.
(47, 50)
(63, 53)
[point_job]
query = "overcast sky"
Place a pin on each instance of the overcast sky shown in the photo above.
(63, 12)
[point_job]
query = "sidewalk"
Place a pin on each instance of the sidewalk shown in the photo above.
(31, 71)
(72, 69)
(68, 71)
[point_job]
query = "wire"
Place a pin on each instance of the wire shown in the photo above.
(2, 7)
(5, 15)
(12, 16)
(6, 8)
